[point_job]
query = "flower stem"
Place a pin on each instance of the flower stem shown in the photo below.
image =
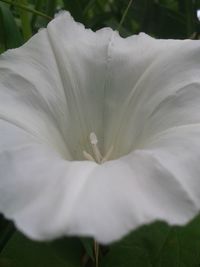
(124, 14)
(96, 253)
(27, 9)
(26, 27)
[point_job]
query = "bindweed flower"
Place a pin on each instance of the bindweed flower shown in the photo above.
(98, 134)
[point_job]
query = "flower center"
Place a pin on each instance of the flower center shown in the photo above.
(96, 156)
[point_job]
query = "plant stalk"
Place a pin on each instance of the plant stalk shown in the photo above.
(27, 9)
(96, 253)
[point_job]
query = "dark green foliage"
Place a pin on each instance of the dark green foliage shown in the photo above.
(22, 252)
(154, 245)
(10, 36)
(6, 231)
(157, 245)
(159, 18)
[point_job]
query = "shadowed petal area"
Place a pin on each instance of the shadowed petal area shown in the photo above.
(154, 89)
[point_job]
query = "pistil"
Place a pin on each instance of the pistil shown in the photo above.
(97, 156)
(95, 148)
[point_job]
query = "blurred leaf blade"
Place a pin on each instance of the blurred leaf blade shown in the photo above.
(27, 9)
(5, 235)
(38, 6)
(75, 8)
(189, 10)
(88, 245)
(157, 245)
(12, 35)
(22, 252)
(2, 34)
(25, 21)
(51, 7)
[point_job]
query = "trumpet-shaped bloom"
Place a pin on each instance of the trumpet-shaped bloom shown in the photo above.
(98, 134)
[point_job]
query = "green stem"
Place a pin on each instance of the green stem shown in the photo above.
(26, 27)
(96, 253)
(124, 14)
(38, 6)
(27, 9)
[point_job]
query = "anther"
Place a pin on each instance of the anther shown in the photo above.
(108, 154)
(93, 139)
(88, 156)
(94, 143)
(96, 152)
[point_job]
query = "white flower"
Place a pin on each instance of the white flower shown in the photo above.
(70, 95)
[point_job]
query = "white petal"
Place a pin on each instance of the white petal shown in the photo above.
(48, 197)
(38, 188)
(58, 78)
(172, 98)
(178, 150)
(127, 193)
(149, 78)
(82, 57)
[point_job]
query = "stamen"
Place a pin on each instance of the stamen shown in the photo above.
(88, 156)
(94, 142)
(93, 139)
(108, 154)
(97, 154)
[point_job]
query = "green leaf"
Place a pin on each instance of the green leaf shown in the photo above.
(75, 8)
(89, 6)
(2, 34)
(157, 245)
(51, 7)
(11, 34)
(25, 21)
(6, 231)
(25, 7)
(37, 21)
(88, 245)
(22, 252)
(38, 6)
(125, 14)
(190, 23)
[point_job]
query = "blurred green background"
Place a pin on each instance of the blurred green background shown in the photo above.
(157, 245)
(19, 19)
